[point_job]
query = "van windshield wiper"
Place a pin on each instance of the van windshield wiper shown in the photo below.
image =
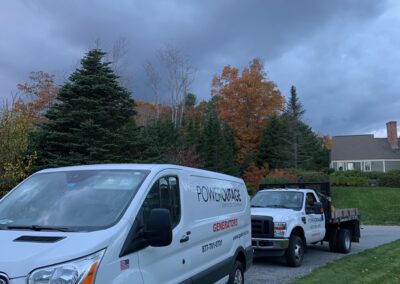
(258, 206)
(39, 228)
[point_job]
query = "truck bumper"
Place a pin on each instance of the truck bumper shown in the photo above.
(269, 247)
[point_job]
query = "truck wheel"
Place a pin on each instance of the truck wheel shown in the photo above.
(295, 251)
(333, 241)
(237, 274)
(344, 241)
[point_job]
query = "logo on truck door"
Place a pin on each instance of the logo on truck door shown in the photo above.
(218, 194)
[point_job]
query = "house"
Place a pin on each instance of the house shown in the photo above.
(365, 152)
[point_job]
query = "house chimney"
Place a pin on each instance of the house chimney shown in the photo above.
(391, 127)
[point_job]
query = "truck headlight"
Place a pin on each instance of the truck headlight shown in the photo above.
(279, 229)
(80, 271)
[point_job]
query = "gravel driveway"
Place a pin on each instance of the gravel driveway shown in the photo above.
(273, 270)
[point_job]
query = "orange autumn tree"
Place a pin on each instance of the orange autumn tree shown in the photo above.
(245, 101)
(39, 94)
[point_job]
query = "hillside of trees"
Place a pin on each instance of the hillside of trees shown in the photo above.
(245, 129)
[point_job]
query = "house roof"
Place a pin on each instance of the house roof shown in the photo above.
(362, 147)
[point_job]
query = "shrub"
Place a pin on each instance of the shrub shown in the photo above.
(343, 180)
(310, 176)
(390, 179)
(293, 175)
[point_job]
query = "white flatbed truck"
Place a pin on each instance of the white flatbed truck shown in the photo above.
(286, 217)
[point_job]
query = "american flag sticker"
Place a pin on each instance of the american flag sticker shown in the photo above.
(124, 264)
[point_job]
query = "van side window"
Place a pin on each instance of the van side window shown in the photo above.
(163, 194)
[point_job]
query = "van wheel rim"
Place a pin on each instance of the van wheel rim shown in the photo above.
(238, 277)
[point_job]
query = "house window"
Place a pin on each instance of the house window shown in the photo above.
(350, 166)
(340, 166)
(367, 166)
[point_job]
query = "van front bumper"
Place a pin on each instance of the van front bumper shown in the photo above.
(269, 247)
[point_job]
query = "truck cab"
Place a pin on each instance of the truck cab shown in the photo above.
(284, 221)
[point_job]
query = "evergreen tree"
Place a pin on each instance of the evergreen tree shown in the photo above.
(217, 144)
(274, 144)
(303, 149)
(86, 123)
(292, 118)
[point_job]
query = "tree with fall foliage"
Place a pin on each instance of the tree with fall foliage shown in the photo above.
(84, 125)
(38, 95)
(245, 102)
(15, 164)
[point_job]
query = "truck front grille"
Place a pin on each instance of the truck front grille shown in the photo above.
(262, 227)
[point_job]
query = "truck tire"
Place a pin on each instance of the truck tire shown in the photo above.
(237, 274)
(333, 241)
(295, 251)
(344, 241)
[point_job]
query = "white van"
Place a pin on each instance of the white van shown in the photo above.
(128, 223)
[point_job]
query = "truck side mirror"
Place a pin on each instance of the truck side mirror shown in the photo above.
(159, 228)
(317, 208)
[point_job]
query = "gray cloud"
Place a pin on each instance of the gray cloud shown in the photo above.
(341, 55)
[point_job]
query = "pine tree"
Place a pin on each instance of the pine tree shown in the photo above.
(274, 144)
(304, 149)
(85, 124)
(217, 147)
(292, 118)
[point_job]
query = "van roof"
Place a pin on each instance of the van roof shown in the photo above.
(150, 167)
(288, 189)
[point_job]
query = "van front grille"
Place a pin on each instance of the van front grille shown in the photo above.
(262, 227)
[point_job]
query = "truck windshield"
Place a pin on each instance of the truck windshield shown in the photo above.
(83, 200)
(278, 199)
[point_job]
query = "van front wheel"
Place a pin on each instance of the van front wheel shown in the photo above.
(237, 274)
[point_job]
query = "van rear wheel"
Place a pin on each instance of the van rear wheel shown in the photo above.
(237, 274)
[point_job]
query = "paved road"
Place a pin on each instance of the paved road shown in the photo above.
(275, 271)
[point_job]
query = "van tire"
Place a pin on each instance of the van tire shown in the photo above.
(295, 251)
(237, 274)
(333, 241)
(344, 241)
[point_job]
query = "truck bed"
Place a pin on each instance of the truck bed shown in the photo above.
(344, 215)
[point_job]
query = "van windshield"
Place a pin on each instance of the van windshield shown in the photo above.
(83, 200)
(278, 199)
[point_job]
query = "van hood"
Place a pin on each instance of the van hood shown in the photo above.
(19, 258)
(278, 214)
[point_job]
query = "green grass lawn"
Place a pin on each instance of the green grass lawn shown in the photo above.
(378, 265)
(377, 205)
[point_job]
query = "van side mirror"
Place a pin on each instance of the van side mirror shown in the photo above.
(317, 208)
(159, 228)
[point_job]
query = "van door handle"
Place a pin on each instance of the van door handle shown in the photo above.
(184, 239)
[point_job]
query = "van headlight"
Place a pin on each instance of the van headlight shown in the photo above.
(80, 271)
(279, 229)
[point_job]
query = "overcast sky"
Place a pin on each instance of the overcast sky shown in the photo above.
(343, 56)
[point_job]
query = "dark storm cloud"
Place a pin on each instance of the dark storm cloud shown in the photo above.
(341, 55)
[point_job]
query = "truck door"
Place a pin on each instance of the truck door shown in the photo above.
(165, 264)
(315, 223)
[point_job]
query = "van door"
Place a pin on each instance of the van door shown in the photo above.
(315, 225)
(165, 264)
